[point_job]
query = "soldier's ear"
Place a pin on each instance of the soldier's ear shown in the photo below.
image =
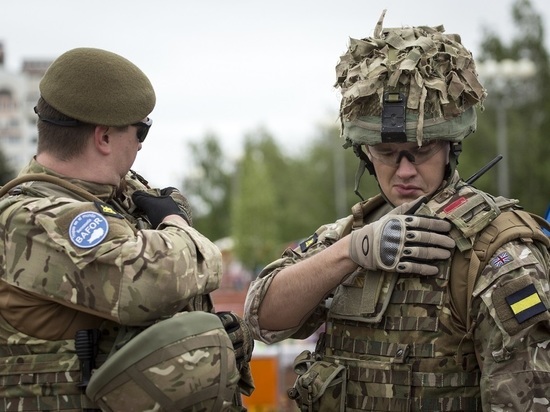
(102, 139)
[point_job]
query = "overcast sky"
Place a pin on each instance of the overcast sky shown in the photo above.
(228, 66)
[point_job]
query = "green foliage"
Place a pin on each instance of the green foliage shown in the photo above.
(208, 188)
(524, 104)
(269, 200)
(254, 211)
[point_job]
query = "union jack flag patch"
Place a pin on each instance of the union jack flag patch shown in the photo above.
(500, 260)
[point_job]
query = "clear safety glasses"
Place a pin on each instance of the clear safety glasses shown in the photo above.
(391, 153)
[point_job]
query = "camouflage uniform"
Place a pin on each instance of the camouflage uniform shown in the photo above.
(52, 285)
(472, 337)
(408, 342)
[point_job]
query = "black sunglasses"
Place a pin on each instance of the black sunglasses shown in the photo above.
(143, 129)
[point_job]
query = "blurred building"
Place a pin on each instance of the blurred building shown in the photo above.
(18, 96)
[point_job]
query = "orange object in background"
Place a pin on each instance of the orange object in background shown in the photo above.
(266, 380)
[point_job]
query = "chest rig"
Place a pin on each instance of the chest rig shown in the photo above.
(37, 374)
(402, 339)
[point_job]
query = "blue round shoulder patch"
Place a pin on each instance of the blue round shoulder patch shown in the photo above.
(88, 229)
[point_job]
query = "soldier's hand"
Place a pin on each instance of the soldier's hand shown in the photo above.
(402, 243)
(157, 207)
(240, 336)
(182, 202)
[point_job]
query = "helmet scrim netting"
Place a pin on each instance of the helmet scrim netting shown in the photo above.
(433, 70)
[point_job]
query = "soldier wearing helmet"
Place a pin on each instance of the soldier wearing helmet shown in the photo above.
(92, 256)
(433, 295)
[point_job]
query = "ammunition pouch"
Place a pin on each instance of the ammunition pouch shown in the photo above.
(320, 386)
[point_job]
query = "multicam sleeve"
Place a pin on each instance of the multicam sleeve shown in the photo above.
(320, 240)
(133, 277)
(512, 335)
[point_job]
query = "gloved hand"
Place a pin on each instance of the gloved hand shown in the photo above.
(182, 202)
(402, 243)
(240, 336)
(158, 207)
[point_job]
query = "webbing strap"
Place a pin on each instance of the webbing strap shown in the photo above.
(164, 401)
(508, 226)
(473, 270)
(406, 377)
(367, 347)
(211, 392)
(50, 179)
(136, 374)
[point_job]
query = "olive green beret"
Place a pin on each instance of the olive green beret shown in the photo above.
(98, 87)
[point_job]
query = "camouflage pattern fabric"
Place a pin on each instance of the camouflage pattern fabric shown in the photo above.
(502, 363)
(176, 262)
(183, 363)
(115, 270)
(433, 69)
(43, 375)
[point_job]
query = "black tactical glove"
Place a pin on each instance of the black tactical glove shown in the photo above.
(182, 202)
(158, 207)
(240, 336)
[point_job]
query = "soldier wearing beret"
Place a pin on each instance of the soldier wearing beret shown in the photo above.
(432, 295)
(88, 246)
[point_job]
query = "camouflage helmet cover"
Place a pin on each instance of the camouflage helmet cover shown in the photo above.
(432, 70)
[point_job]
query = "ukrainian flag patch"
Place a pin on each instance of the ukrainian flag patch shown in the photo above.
(306, 244)
(525, 303)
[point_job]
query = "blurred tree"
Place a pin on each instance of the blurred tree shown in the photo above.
(254, 213)
(269, 200)
(6, 172)
(324, 183)
(526, 104)
(208, 187)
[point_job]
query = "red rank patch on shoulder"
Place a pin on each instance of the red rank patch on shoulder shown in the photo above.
(456, 204)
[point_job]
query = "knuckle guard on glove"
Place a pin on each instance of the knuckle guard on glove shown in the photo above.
(402, 243)
(240, 336)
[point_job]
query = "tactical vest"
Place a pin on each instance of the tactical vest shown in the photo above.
(41, 375)
(404, 342)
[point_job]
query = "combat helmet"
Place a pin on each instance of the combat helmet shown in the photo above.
(404, 84)
(183, 363)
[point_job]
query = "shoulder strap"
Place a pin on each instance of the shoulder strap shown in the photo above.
(508, 226)
(362, 209)
(50, 179)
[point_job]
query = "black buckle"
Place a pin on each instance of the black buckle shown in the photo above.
(393, 118)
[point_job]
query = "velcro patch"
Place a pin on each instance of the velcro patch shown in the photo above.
(306, 244)
(456, 204)
(500, 260)
(525, 303)
(107, 210)
(88, 229)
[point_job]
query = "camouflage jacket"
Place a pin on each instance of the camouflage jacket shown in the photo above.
(69, 263)
(508, 311)
(119, 272)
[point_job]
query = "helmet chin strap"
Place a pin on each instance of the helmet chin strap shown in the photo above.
(366, 164)
(454, 152)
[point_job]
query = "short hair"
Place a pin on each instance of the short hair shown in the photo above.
(64, 142)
